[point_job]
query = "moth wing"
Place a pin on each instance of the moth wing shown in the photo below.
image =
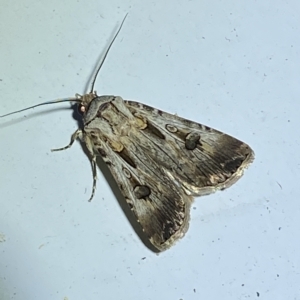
(200, 158)
(159, 203)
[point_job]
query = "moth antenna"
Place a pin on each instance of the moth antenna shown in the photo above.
(78, 100)
(44, 103)
(106, 53)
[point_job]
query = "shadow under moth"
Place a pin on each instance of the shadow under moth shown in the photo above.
(160, 161)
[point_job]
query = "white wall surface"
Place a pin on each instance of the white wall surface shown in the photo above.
(232, 65)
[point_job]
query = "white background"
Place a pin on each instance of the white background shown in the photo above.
(232, 65)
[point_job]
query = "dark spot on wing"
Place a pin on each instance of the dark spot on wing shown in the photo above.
(142, 191)
(192, 140)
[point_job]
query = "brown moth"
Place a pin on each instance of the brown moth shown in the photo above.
(160, 161)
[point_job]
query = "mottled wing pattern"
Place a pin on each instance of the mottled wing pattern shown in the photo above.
(159, 203)
(205, 160)
(160, 161)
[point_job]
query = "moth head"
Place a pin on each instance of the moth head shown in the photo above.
(85, 101)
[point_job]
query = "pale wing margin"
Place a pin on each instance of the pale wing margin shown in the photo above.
(203, 159)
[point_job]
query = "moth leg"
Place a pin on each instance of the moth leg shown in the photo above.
(89, 147)
(76, 135)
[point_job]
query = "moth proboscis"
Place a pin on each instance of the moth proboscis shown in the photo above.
(160, 161)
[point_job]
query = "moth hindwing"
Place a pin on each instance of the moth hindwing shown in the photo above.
(160, 161)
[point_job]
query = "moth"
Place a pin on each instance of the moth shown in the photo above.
(160, 161)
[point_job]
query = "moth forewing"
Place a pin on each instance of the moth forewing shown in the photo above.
(211, 159)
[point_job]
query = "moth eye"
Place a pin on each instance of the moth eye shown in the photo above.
(81, 109)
